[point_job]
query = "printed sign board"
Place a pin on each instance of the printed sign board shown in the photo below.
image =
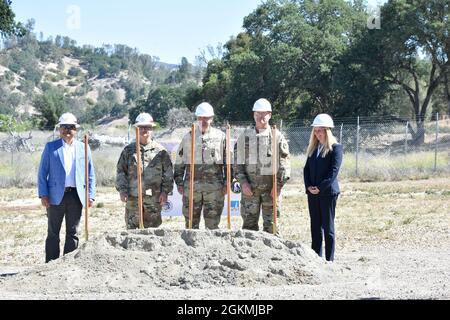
(174, 203)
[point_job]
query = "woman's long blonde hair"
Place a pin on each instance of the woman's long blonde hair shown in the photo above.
(313, 142)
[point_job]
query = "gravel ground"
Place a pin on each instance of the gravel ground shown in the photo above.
(168, 264)
(393, 241)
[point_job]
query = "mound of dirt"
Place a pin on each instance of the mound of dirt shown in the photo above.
(165, 259)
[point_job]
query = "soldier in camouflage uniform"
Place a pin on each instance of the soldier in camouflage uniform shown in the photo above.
(253, 168)
(157, 177)
(210, 170)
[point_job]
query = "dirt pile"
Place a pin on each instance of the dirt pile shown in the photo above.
(166, 259)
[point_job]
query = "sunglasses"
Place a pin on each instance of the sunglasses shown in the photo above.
(262, 114)
(68, 127)
(146, 128)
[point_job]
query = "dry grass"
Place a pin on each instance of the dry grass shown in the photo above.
(386, 167)
(403, 213)
(400, 214)
(20, 168)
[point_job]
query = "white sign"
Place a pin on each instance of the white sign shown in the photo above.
(174, 204)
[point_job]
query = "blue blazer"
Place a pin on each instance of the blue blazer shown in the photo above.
(322, 172)
(52, 175)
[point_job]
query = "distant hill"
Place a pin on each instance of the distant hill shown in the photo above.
(92, 82)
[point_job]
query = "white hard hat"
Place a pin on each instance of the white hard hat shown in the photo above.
(204, 109)
(144, 120)
(323, 120)
(262, 105)
(68, 118)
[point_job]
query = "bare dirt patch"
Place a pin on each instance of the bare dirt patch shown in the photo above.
(392, 243)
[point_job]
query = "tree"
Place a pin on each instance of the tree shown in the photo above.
(185, 70)
(148, 65)
(289, 54)
(415, 42)
(183, 74)
(50, 105)
(359, 80)
(441, 97)
(7, 123)
(8, 100)
(134, 87)
(446, 86)
(8, 27)
(192, 97)
(107, 104)
(74, 72)
(118, 110)
(179, 117)
(159, 102)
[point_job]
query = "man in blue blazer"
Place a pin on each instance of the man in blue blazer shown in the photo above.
(61, 186)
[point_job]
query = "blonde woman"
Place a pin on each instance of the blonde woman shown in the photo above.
(321, 184)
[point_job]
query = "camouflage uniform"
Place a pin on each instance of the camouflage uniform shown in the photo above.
(209, 176)
(157, 177)
(253, 164)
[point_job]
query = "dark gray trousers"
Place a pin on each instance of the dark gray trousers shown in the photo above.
(70, 208)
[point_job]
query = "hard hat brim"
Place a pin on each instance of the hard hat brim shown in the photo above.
(70, 123)
(145, 124)
(263, 110)
(205, 116)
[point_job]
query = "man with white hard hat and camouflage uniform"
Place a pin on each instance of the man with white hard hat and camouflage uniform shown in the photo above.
(210, 170)
(253, 168)
(157, 176)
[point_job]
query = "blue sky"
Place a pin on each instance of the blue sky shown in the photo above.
(169, 29)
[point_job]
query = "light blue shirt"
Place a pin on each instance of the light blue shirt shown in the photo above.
(69, 163)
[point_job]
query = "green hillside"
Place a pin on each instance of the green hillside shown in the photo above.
(40, 78)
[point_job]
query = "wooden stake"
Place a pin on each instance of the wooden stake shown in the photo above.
(139, 179)
(86, 182)
(228, 150)
(274, 181)
(191, 181)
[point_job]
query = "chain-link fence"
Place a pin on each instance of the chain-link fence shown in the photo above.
(382, 149)
(374, 149)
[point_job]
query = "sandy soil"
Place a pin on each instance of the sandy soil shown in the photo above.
(392, 243)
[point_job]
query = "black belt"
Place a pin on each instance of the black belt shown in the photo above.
(69, 189)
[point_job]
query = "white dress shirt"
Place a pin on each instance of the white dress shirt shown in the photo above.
(69, 163)
(319, 149)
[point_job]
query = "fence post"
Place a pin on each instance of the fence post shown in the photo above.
(406, 137)
(357, 146)
(340, 133)
(436, 142)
